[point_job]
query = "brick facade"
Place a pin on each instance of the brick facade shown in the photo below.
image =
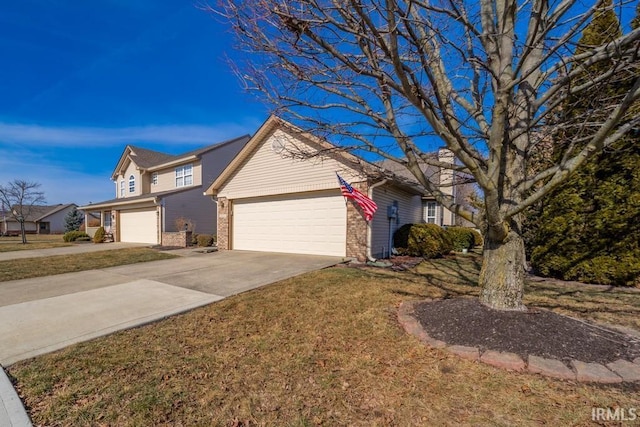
(179, 239)
(357, 226)
(224, 224)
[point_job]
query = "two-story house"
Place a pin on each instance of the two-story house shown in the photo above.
(157, 192)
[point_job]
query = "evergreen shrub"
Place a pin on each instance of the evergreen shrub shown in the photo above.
(425, 240)
(99, 236)
(461, 237)
(72, 236)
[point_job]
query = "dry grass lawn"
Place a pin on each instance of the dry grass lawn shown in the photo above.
(47, 266)
(34, 241)
(320, 349)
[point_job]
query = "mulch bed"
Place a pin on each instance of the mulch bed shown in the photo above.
(465, 321)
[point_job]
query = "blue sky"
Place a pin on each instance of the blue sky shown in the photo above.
(80, 80)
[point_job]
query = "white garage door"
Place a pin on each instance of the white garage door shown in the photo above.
(139, 226)
(308, 223)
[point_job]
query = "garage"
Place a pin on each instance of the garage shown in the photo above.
(139, 226)
(304, 223)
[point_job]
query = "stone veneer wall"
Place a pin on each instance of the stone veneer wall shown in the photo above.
(180, 239)
(357, 226)
(224, 230)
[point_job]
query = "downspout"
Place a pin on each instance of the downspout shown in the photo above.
(369, 233)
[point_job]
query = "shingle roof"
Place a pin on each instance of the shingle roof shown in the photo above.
(37, 212)
(125, 200)
(145, 158)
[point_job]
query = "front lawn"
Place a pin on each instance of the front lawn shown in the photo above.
(34, 241)
(47, 266)
(324, 348)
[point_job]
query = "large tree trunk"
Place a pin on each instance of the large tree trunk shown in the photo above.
(502, 273)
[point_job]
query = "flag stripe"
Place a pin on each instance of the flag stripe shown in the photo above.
(367, 205)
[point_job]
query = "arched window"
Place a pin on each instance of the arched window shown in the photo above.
(132, 184)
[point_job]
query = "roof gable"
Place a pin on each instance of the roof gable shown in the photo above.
(147, 159)
(299, 147)
(290, 149)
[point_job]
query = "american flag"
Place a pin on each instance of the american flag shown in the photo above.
(368, 206)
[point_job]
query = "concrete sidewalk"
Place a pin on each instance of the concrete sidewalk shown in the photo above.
(44, 314)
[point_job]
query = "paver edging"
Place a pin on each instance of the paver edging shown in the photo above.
(615, 372)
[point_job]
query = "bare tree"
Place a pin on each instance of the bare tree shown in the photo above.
(20, 197)
(486, 78)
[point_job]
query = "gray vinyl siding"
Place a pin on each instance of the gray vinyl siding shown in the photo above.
(192, 205)
(215, 161)
(56, 221)
(410, 211)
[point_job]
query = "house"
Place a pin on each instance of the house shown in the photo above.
(281, 194)
(156, 193)
(38, 220)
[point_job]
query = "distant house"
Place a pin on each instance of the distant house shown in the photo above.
(154, 191)
(39, 220)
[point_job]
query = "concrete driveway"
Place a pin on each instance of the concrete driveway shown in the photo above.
(45, 314)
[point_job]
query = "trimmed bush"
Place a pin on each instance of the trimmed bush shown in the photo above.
(425, 240)
(205, 240)
(461, 237)
(99, 236)
(194, 239)
(72, 236)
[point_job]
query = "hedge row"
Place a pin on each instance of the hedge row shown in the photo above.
(433, 241)
(72, 236)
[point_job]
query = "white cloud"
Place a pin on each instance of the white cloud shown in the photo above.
(60, 185)
(33, 134)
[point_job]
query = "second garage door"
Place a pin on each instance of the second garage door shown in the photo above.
(139, 226)
(307, 223)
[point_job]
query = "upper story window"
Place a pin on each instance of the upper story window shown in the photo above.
(184, 175)
(430, 212)
(121, 188)
(154, 178)
(132, 184)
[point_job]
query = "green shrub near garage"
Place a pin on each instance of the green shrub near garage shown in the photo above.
(72, 236)
(425, 240)
(100, 235)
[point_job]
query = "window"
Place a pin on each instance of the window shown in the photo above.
(121, 188)
(430, 212)
(132, 184)
(184, 175)
(107, 220)
(154, 178)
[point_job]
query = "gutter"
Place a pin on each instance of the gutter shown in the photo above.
(369, 233)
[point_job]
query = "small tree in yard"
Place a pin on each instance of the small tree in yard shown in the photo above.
(19, 199)
(73, 220)
(485, 78)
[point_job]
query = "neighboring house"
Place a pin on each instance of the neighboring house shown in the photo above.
(277, 196)
(39, 220)
(154, 190)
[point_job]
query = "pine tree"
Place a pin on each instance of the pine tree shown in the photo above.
(73, 220)
(589, 229)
